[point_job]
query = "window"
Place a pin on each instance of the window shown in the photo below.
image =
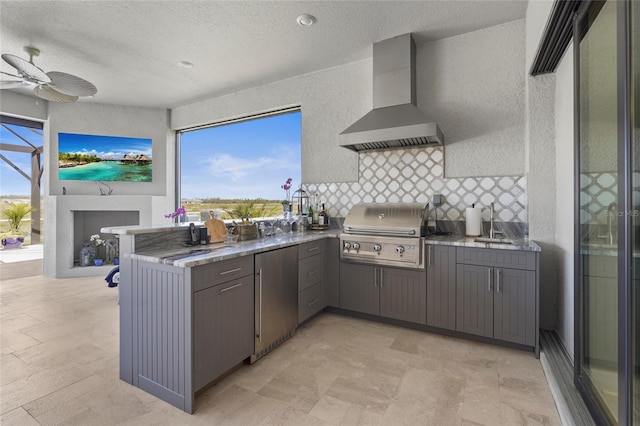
(225, 163)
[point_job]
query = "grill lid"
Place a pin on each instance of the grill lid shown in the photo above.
(402, 220)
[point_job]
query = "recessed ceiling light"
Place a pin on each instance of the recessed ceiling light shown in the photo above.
(185, 64)
(305, 20)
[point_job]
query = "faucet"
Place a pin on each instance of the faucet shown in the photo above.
(611, 212)
(492, 231)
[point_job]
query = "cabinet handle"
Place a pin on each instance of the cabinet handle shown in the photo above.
(260, 307)
(497, 280)
(230, 271)
(381, 280)
(313, 303)
(375, 277)
(489, 279)
(315, 271)
(230, 288)
(313, 249)
(429, 255)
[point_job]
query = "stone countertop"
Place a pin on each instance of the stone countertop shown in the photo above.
(146, 229)
(187, 257)
(462, 241)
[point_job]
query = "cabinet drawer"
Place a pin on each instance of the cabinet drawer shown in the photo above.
(309, 272)
(310, 249)
(211, 274)
(515, 259)
(309, 302)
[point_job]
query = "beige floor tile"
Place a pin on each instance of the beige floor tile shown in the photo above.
(62, 396)
(38, 385)
(18, 417)
(13, 368)
(60, 348)
(331, 410)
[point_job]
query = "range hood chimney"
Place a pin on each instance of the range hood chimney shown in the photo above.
(395, 121)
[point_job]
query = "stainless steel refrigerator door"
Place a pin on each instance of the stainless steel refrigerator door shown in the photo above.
(276, 295)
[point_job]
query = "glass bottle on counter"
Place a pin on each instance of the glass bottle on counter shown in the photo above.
(316, 212)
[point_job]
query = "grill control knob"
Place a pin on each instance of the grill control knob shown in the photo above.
(356, 246)
(377, 248)
(400, 249)
(346, 245)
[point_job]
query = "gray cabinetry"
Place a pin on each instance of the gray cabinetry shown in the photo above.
(310, 279)
(189, 325)
(497, 294)
(403, 294)
(385, 291)
(441, 286)
(331, 278)
(359, 288)
(223, 328)
(600, 278)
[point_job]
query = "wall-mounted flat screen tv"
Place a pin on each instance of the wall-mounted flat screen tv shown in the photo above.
(105, 158)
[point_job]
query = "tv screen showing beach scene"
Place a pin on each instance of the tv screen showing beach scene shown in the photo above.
(104, 158)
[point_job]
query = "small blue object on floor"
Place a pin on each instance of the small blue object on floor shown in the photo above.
(113, 277)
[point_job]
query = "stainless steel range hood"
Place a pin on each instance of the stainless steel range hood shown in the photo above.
(395, 120)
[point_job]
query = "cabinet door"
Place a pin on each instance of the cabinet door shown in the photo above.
(515, 306)
(309, 302)
(403, 294)
(310, 271)
(474, 295)
(441, 286)
(331, 276)
(359, 288)
(223, 328)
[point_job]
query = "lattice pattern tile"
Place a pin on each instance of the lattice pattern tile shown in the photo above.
(415, 175)
(598, 191)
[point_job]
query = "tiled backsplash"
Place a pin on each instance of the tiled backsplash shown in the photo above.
(414, 175)
(598, 191)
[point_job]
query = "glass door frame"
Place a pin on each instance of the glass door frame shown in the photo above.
(585, 15)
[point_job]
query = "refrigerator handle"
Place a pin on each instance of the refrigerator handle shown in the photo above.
(259, 334)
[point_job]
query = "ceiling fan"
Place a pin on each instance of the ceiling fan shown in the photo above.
(53, 86)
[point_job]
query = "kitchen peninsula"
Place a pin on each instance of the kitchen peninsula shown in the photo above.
(189, 314)
(170, 293)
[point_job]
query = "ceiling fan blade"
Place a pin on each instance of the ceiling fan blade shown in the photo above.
(26, 68)
(11, 84)
(70, 84)
(9, 74)
(50, 94)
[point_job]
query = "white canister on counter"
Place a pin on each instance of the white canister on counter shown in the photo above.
(473, 217)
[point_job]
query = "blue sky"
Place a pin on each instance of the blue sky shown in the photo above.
(11, 182)
(103, 146)
(248, 159)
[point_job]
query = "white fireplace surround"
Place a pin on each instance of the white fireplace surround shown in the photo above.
(60, 212)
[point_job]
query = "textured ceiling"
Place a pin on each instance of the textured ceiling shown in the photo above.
(130, 49)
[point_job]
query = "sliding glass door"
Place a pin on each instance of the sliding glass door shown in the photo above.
(607, 64)
(598, 208)
(634, 30)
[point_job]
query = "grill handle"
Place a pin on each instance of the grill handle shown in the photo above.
(350, 230)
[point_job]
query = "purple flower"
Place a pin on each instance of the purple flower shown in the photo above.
(287, 185)
(175, 214)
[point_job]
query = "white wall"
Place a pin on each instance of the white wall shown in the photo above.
(331, 100)
(111, 120)
(23, 106)
(472, 85)
(540, 163)
(564, 199)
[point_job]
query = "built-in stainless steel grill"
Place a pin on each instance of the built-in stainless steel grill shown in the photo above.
(385, 234)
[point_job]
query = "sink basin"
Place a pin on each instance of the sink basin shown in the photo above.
(493, 240)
